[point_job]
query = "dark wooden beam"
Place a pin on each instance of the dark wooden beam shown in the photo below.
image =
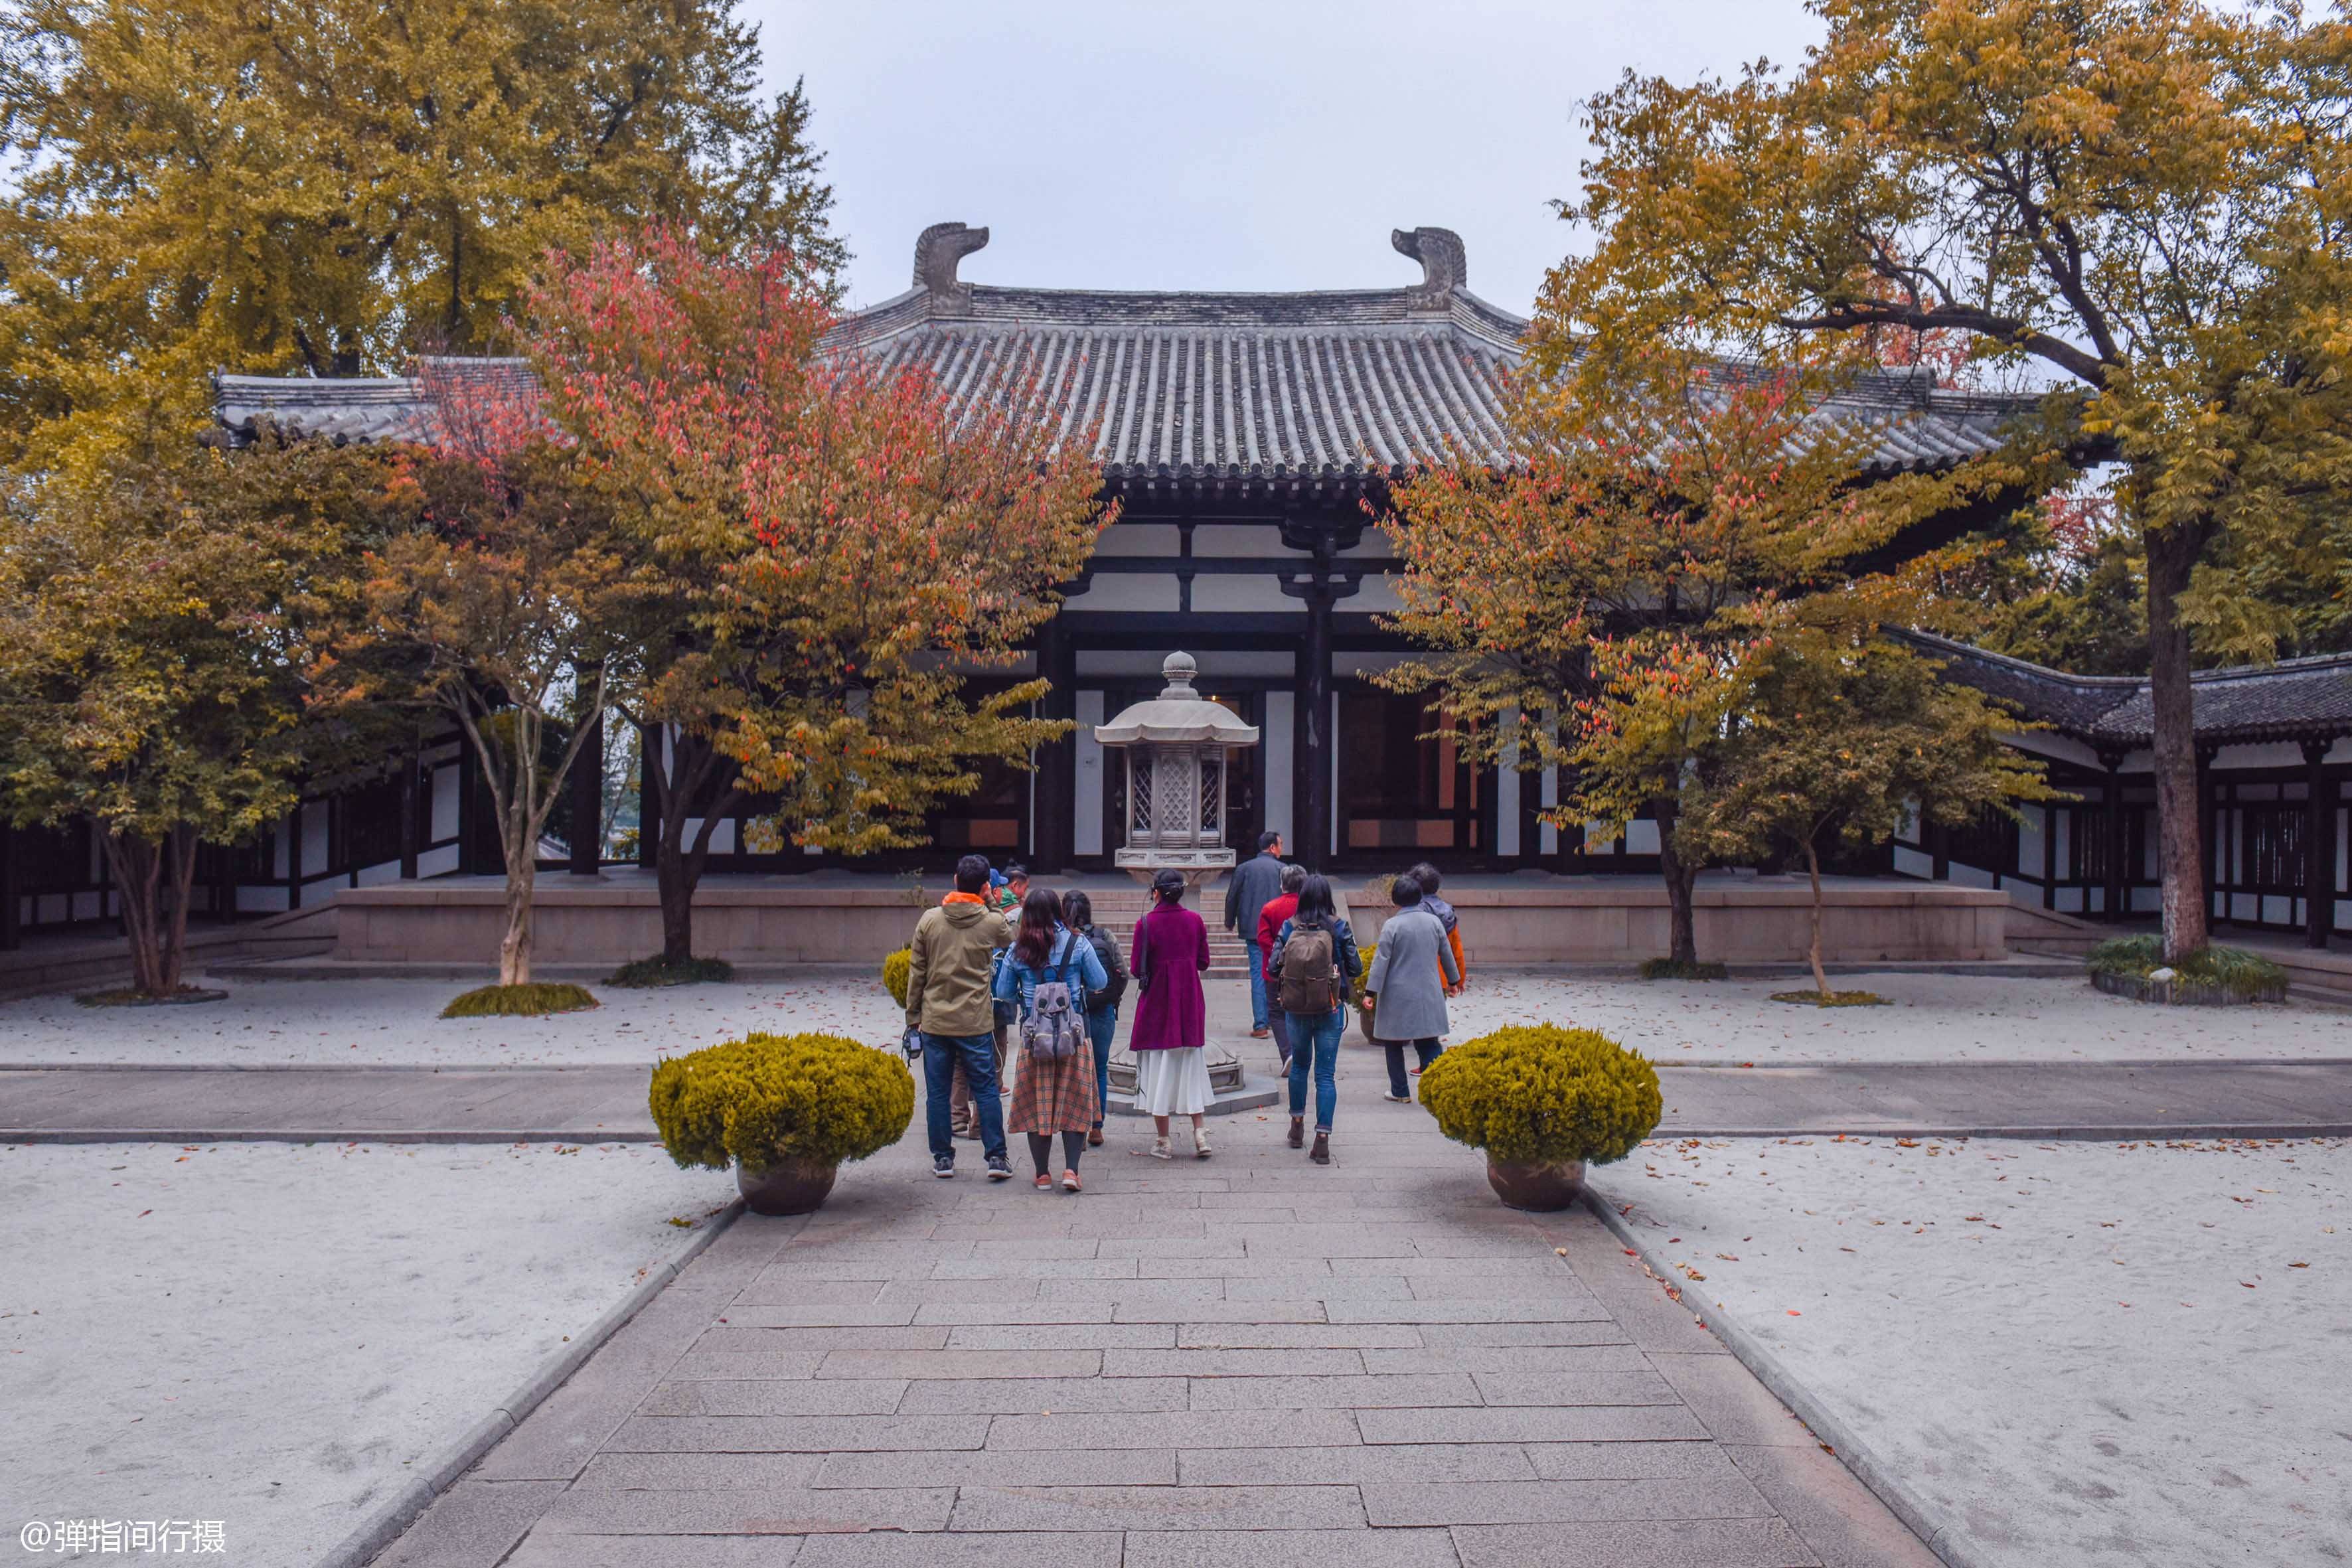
(587, 783)
(2318, 854)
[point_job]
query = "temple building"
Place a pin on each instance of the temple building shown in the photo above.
(1248, 440)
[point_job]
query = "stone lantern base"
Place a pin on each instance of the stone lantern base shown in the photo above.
(1199, 866)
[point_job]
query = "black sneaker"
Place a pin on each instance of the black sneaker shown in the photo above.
(998, 1170)
(943, 1166)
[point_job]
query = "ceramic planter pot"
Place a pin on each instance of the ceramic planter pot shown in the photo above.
(1541, 1187)
(788, 1186)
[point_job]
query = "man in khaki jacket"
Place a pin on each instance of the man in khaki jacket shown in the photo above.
(954, 960)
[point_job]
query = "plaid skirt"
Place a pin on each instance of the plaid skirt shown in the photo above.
(1054, 1095)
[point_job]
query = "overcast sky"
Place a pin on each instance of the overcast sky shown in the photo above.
(1228, 143)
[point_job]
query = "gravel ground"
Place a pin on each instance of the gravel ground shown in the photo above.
(271, 1335)
(2089, 1354)
(370, 1023)
(1933, 1019)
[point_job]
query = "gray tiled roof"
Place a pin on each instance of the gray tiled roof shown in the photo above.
(1218, 388)
(2292, 698)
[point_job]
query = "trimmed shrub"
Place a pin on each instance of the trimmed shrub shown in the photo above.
(2209, 974)
(896, 970)
(1538, 1093)
(764, 1098)
(520, 1001)
(1675, 969)
(645, 973)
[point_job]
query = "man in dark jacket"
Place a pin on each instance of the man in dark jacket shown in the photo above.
(1255, 882)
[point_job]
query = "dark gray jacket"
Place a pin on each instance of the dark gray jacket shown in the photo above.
(1252, 885)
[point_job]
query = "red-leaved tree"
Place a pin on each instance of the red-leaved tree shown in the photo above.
(835, 547)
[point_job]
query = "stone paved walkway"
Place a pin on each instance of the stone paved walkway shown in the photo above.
(598, 1104)
(1244, 1362)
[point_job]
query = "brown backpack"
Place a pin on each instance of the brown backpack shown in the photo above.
(1310, 971)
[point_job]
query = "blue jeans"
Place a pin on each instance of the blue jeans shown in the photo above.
(978, 1054)
(1257, 984)
(1315, 1038)
(1428, 1050)
(1102, 1023)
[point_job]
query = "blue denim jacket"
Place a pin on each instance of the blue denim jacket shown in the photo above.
(1072, 958)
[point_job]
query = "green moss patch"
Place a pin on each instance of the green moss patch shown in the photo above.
(1831, 999)
(520, 1002)
(645, 973)
(1676, 969)
(127, 998)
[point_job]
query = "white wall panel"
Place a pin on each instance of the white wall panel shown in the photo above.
(1087, 819)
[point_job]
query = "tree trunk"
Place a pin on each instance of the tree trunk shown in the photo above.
(2180, 830)
(514, 948)
(1682, 922)
(1813, 870)
(154, 912)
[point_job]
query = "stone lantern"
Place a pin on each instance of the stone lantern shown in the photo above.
(1180, 748)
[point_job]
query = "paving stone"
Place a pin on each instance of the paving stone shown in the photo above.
(1734, 1407)
(1291, 1549)
(978, 1292)
(1325, 1288)
(1540, 1266)
(1520, 1388)
(1684, 1544)
(1319, 1240)
(1035, 1395)
(991, 1266)
(1627, 1461)
(559, 1437)
(1177, 1429)
(1472, 1310)
(1233, 1268)
(1442, 1336)
(975, 1549)
(1170, 1247)
(1595, 1424)
(1841, 1520)
(794, 1433)
(472, 1525)
(1062, 1337)
(1511, 1361)
(750, 1363)
(729, 1334)
(960, 1313)
(774, 1291)
(739, 1253)
(1649, 1317)
(1006, 1467)
(1362, 1466)
(1145, 1290)
(1300, 1363)
(1159, 1507)
(556, 1550)
(1545, 1502)
(774, 1396)
(791, 1315)
(805, 1511)
(700, 1472)
(1332, 1392)
(1195, 1313)
(961, 1363)
(1299, 1336)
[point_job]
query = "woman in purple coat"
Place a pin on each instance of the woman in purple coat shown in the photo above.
(1172, 1021)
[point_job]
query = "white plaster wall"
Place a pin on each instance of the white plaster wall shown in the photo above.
(1087, 827)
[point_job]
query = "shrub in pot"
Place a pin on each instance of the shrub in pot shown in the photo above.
(1543, 1102)
(897, 970)
(784, 1110)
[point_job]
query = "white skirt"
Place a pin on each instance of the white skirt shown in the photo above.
(1173, 1082)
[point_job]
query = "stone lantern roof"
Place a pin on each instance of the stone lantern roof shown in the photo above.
(1177, 716)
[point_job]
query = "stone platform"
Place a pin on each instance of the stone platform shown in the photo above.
(1518, 920)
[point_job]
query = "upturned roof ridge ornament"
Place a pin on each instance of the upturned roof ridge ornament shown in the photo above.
(938, 250)
(1445, 265)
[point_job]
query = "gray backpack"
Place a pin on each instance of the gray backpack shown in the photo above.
(1056, 1026)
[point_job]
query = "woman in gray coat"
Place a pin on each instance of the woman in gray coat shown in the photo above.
(1411, 975)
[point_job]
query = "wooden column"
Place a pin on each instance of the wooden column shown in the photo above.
(2117, 892)
(294, 856)
(1055, 784)
(1315, 804)
(2049, 855)
(2318, 854)
(2208, 829)
(412, 830)
(12, 933)
(587, 785)
(649, 801)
